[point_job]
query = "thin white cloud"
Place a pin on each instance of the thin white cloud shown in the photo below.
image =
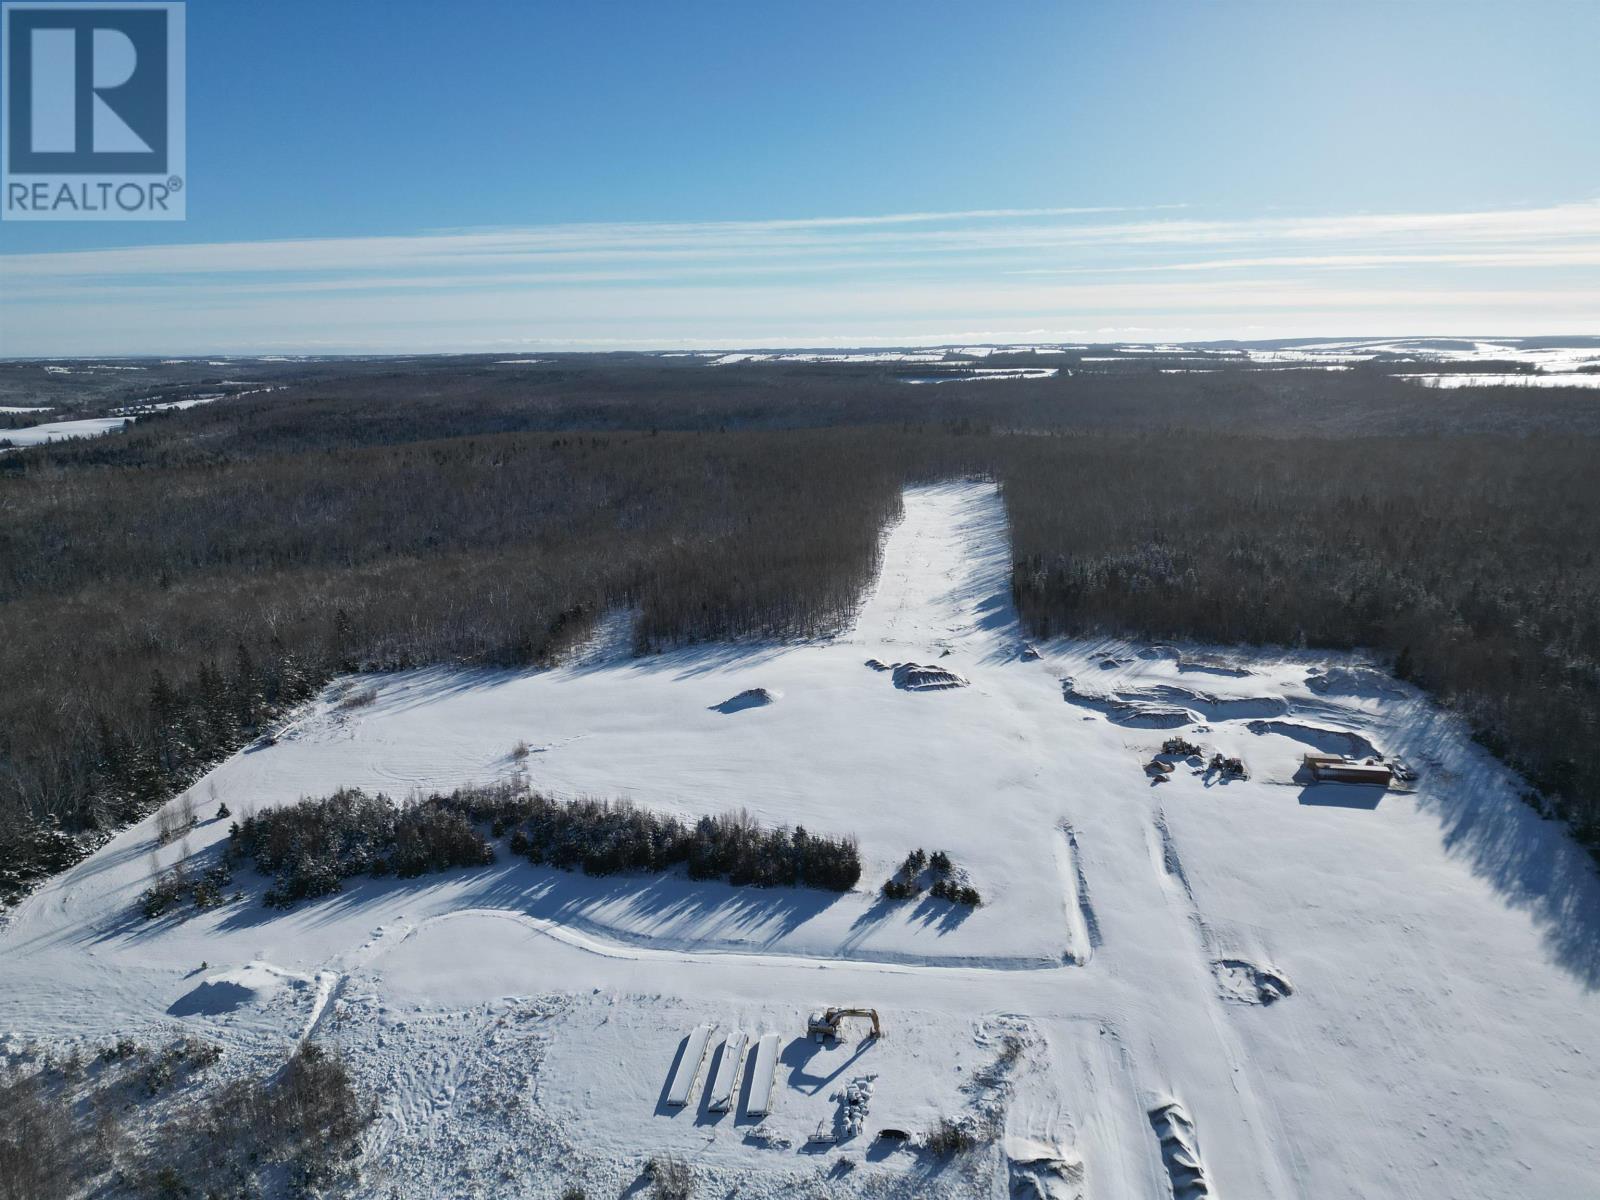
(733, 281)
(996, 231)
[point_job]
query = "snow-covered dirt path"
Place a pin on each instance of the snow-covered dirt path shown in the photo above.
(1350, 993)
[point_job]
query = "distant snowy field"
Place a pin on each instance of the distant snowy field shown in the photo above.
(1439, 947)
(1552, 364)
(59, 431)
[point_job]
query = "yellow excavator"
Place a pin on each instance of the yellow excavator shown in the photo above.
(824, 1026)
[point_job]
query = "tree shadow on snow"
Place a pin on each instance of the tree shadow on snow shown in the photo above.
(945, 915)
(1534, 863)
(654, 910)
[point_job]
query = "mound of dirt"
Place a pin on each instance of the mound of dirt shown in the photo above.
(1040, 1171)
(1180, 1152)
(1243, 981)
(757, 697)
(913, 677)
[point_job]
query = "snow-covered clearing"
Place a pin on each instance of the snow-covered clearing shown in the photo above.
(1566, 379)
(978, 374)
(58, 431)
(1344, 992)
(176, 405)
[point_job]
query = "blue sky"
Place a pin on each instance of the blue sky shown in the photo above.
(399, 175)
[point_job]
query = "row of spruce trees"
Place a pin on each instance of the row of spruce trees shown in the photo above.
(310, 848)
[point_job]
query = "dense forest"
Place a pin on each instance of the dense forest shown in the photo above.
(167, 593)
(157, 617)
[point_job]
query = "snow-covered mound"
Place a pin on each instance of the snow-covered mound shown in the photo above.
(1318, 738)
(251, 986)
(1180, 1150)
(756, 697)
(1212, 708)
(1249, 984)
(1133, 712)
(1041, 1171)
(1366, 682)
(913, 677)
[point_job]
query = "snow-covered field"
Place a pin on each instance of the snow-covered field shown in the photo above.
(58, 431)
(1554, 365)
(1568, 379)
(978, 374)
(84, 427)
(1348, 993)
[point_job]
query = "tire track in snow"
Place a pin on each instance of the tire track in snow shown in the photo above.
(602, 947)
(1083, 924)
(328, 984)
(1172, 866)
(1252, 1111)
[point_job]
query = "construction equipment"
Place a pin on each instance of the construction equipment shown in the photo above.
(824, 1026)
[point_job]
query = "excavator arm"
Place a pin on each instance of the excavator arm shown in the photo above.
(826, 1024)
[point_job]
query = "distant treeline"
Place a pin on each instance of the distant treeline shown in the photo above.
(339, 406)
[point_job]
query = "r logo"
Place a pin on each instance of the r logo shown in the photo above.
(87, 90)
(94, 110)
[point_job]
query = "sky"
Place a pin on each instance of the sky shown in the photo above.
(396, 176)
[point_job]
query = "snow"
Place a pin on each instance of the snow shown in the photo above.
(730, 1057)
(690, 1060)
(24, 408)
(1296, 990)
(977, 374)
(763, 1075)
(870, 356)
(59, 370)
(135, 410)
(1463, 380)
(55, 431)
